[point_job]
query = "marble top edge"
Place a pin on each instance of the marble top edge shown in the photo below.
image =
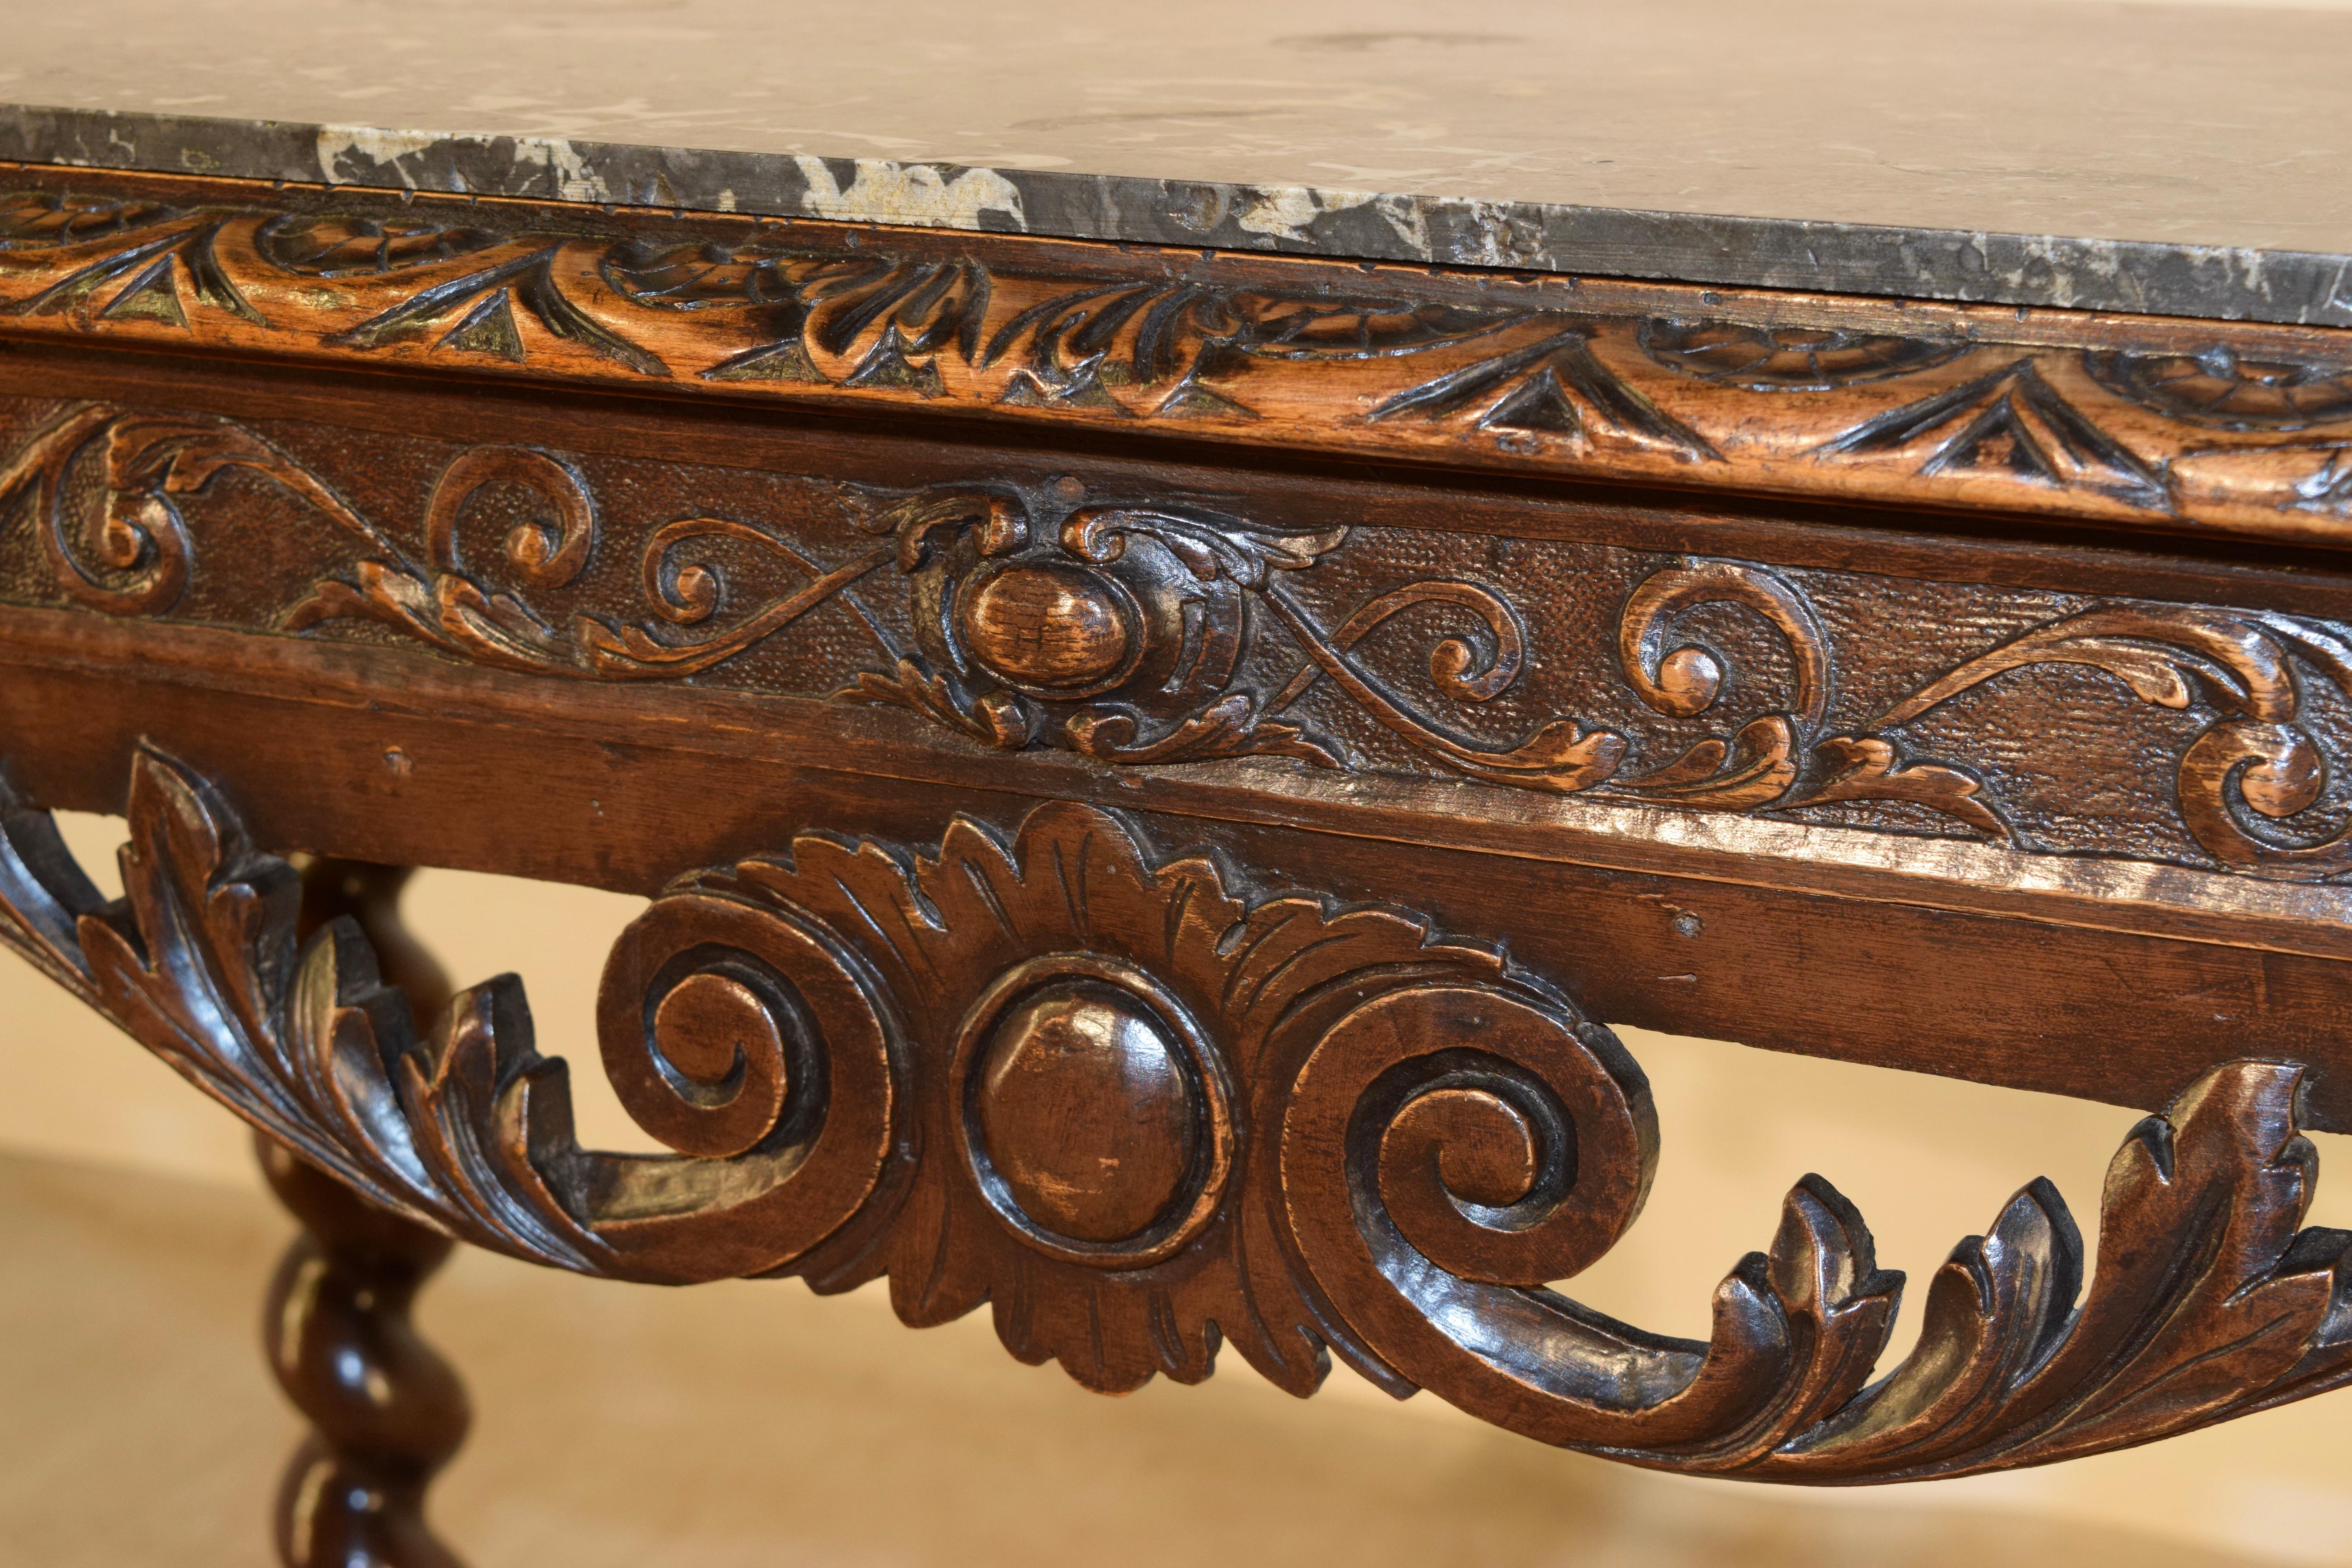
(2047, 270)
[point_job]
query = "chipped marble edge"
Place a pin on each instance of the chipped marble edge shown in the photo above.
(2293, 287)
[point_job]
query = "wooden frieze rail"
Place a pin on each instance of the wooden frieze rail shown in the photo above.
(2236, 428)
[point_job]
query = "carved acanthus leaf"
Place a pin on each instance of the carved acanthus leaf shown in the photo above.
(1603, 380)
(1140, 1107)
(466, 1127)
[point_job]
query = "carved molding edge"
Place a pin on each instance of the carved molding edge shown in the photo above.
(1139, 1109)
(2206, 426)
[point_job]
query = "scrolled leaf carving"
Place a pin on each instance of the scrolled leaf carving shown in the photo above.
(136, 553)
(1120, 631)
(444, 601)
(1149, 631)
(2255, 767)
(2209, 1302)
(1145, 632)
(465, 1126)
(1778, 759)
(1142, 1108)
(2214, 425)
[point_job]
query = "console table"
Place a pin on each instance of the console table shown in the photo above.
(1160, 685)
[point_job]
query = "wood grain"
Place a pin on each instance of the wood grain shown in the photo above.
(386, 1411)
(1864, 962)
(1061, 703)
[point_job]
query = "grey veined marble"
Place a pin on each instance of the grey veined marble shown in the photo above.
(2173, 158)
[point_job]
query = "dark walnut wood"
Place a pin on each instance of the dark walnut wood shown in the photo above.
(1350, 1135)
(386, 1411)
(1146, 629)
(2210, 426)
(1730, 937)
(971, 644)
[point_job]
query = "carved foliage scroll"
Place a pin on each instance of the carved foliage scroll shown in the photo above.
(1141, 1110)
(1146, 631)
(2218, 427)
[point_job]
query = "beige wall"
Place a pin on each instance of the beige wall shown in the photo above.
(1926, 1162)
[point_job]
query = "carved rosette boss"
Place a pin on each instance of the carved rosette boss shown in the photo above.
(1110, 1046)
(1117, 633)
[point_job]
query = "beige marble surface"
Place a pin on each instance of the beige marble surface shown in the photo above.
(2204, 124)
(2015, 151)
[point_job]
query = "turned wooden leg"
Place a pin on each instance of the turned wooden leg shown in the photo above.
(386, 1411)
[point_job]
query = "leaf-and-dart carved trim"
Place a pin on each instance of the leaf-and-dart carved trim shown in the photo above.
(1333, 1128)
(2224, 429)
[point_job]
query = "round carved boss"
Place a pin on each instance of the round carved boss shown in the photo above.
(1124, 604)
(1095, 1115)
(1053, 629)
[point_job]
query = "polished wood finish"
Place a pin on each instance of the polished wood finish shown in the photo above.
(1085, 1109)
(2036, 787)
(2161, 714)
(1065, 704)
(2205, 426)
(1141, 1108)
(386, 1410)
(1856, 961)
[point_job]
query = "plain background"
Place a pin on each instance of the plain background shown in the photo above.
(755, 1424)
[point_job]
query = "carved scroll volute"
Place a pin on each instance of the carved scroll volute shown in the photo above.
(1139, 1109)
(752, 1040)
(1444, 1150)
(1428, 1230)
(2245, 781)
(1759, 763)
(131, 555)
(467, 1128)
(542, 553)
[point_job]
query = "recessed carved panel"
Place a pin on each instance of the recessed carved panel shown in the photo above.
(2210, 426)
(1154, 630)
(1142, 1107)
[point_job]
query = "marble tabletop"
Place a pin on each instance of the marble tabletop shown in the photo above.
(2171, 157)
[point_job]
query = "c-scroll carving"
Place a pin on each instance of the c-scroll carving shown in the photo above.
(2209, 1302)
(467, 1128)
(1141, 1108)
(1118, 632)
